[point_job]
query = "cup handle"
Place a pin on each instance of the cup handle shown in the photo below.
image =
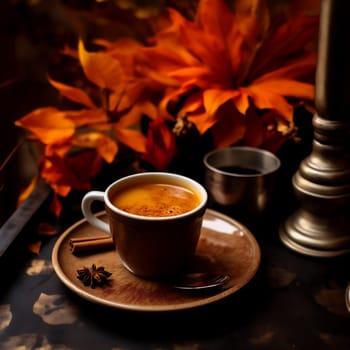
(89, 215)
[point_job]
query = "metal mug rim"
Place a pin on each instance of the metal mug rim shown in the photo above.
(242, 148)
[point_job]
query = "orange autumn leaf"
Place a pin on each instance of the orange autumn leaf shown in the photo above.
(132, 138)
(72, 93)
(271, 98)
(100, 68)
(48, 124)
(253, 19)
(124, 50)
(65, 173)
(105, 146)
(228, 130)
(194, 109)
(161, 145)
(294, 70)
(134, 115)
(56, 206)
(287, 46)
(68, 51)
(96, 118)
(27, 190)
(284, 87)
(214, 98)
(255, 129)
(308, 6)
(35, 247)
(45, 229)
(125, 129)
(203, 121)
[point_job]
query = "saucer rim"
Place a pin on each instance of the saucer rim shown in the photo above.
(87, 295)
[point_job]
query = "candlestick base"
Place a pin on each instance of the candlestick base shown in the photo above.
(309, 234)
(321, 226)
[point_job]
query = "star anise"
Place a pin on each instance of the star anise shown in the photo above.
(94, 276)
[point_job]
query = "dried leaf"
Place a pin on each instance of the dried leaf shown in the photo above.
(100, 68)
(88, 117)
(56, 206)
(230, 127)
(214, 98)
(105, 146)
(71, 172)
(255, 129)
(46, 229)
(27, 191)
(72, 93)
(253, 20)
(132, 138)
(48, 124)
(35, 247)
(161, 145)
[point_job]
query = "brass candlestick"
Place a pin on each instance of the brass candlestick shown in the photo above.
(321, 226)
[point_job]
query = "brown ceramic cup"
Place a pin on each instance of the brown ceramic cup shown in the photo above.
(151, 245)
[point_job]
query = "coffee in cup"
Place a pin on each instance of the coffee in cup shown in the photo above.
(155, 199)
(155, 219)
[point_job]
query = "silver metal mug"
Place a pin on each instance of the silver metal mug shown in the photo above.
(241, 180)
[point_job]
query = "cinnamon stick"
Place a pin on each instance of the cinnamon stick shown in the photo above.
(90, 244)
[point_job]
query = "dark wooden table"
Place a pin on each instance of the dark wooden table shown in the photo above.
(293, 302)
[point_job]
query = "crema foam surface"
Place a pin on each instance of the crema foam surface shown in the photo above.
(157, 200)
